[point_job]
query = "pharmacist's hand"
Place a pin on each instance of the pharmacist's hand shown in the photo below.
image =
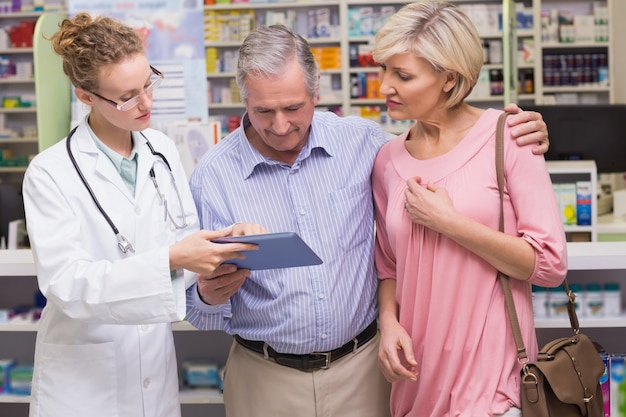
(528, 128)
(217, 288)
(395, 353)
(198, 253)
(245, 229)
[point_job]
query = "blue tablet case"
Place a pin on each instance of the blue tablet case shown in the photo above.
(276, 250)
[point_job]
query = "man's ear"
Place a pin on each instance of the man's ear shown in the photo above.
(84, 96)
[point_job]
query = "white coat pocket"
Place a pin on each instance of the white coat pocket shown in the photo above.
(66, 377)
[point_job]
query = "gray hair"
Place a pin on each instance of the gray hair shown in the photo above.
(265, 52)
(440, 33)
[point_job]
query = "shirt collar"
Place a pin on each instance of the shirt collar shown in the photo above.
(115, 157)
(318, 142)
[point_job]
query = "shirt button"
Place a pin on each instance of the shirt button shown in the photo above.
(144, 327)
(137, 210)
(321, 296)
(302, 212)
(324, 336)
(146, 382)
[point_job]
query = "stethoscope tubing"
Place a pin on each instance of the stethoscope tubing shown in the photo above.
(123, 242)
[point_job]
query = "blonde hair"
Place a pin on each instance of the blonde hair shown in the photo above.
(87, 44)
(440, 33)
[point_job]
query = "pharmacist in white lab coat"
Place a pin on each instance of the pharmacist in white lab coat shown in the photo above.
(104, 345)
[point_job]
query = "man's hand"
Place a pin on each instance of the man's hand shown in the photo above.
(218, 287)
(529, 128)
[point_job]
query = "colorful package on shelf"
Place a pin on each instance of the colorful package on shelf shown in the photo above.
(21, 35)
(5, 370)
(617, 381)
(21, 379)
(605, 384)
(201, 374)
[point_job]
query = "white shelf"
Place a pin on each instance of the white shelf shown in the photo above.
(17, 263)
(590, 256)
(14, 399)
(20, 15)
(181, 326)
(273, 5)
(18, 327)
(16, 80)
(200, 396)
(575, 45)
(31, 109)
(28, 50)
(8, 170)
(18, 139)
(187, 396)
(608, 224)
(604, 322)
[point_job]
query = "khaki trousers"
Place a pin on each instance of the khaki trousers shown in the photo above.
(351, 386)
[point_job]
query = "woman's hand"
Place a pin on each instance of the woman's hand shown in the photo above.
(395, 353)
(427, 205)
(198, 253)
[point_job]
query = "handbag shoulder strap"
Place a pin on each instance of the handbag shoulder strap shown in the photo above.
(504, 279)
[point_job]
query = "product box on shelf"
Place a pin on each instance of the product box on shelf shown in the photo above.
(5, 369)
(21, 379)
(617, 382)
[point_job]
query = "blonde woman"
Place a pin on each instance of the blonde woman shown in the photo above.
(446, 344)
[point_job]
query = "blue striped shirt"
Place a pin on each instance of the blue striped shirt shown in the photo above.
(325, 197)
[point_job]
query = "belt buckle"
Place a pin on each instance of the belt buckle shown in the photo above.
(326, 355)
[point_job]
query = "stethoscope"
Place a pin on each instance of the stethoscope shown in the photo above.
(123, 243)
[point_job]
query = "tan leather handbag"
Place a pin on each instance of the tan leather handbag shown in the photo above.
(564, 381)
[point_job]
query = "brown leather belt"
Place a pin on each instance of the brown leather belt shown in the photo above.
(311, 361)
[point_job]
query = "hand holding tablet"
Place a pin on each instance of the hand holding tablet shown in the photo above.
(276, 250)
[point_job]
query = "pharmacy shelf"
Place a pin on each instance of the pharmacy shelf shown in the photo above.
(593, 256)
(13, 399)
(19, 139)
(9, 170)
(181, 326)
(187, 396)
(200, 396)
(31, 109)
(17, 262)
(600, 322)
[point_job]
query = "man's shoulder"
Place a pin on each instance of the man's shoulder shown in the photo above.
(333, 121)
(226, 147)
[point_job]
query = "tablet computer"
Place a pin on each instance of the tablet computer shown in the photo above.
(276, 250)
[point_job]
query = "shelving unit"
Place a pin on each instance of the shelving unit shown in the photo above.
(580, 90)
(570, 172)
(539, 92)
(17, 272)
(22, 145)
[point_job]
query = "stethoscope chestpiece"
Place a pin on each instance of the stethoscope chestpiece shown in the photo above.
(124, 244)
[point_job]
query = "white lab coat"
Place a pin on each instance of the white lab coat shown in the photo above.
(104, 345)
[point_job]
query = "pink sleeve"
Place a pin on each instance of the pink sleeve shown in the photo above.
(535, 207)
(384, 256)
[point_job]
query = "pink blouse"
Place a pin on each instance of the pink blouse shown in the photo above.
(450, 301)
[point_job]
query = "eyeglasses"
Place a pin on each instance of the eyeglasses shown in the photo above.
(156, 79)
